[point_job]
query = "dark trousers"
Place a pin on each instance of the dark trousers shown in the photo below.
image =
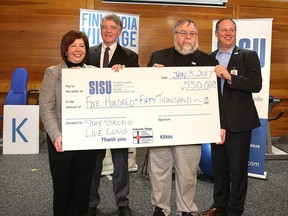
(230, 171)
(71, 174)
(121, 184)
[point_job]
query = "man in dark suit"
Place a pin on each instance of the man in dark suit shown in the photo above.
(185, 158)
(117, 58)
(240, 72)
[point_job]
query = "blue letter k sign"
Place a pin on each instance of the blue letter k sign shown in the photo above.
(17, 130)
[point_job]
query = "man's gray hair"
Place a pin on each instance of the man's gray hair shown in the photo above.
(183, 21)
(114, 18)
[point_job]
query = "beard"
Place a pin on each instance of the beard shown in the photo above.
(187, 47)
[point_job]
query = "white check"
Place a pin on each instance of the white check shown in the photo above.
(139, 107)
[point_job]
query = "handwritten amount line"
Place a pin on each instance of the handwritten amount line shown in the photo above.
(118, 107)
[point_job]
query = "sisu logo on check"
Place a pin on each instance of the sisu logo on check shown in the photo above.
(100, 87)
(142, 135)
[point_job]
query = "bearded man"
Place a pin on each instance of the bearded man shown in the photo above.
(185, 158)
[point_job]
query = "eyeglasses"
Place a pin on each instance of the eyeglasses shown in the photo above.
(185, 34)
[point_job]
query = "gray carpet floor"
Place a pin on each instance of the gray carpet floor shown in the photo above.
(26, 189)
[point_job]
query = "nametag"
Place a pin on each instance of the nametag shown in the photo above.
(234, 72)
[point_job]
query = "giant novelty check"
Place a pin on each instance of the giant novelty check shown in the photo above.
(139, 107)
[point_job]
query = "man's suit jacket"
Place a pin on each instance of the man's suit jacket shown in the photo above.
(121, 56)
(167, 58)
(238, 104)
